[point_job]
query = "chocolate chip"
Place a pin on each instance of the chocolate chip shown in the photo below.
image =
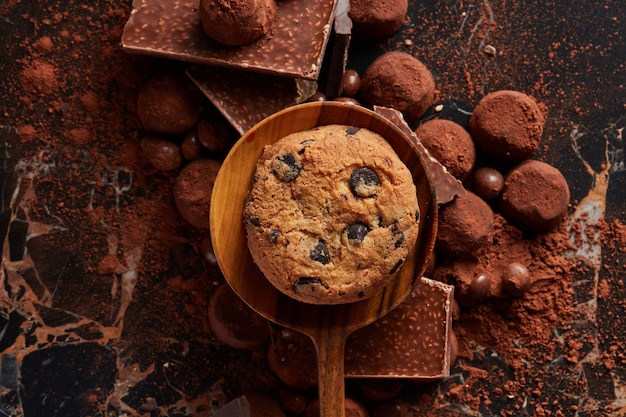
(306, 143)
(399, 241)
(357, 231)
(286, 167)
(352, 130)
(254, 221)
(309, 283)
(320, 253)
(417, 216)
(364, 182)
(396, 266)
(274, 235)
(361, 294)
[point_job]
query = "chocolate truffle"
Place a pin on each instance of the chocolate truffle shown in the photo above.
(465, 225)
(450, 144)
(233, 322)
(237, 22)
(535, 196)
(165, 105)
(488, 182)
(192, 191)
(507, 124)
(373, 19)
(399, 80)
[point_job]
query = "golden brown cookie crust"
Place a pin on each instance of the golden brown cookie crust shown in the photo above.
(332, 214)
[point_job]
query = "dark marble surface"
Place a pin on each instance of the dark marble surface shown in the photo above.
(135, 341)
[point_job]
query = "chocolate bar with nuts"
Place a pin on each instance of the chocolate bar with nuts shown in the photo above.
(172, 29)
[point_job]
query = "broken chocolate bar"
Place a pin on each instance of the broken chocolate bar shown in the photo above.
(246, 98)
(412, 341)
(168, 29)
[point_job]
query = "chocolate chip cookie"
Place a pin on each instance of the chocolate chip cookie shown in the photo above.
(332, 214)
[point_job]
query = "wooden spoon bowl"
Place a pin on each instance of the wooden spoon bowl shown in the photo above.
(327, 325)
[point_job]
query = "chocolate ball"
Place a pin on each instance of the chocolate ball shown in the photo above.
(450, 144)
(351, 83)
(465, 225)
(318, 96)
(373, 19)
(535, 196)
(399, 80)
(488, 182)
(516, 279)
(192, 191)
(233, 322)
(237, 22)
(190, 147)
(348, 100)
(165, 105)
(162, 153)
(213, 132)
(507, 124)
(293, 402)
(480, 287)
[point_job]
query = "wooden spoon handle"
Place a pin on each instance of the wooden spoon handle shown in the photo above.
(330, 345)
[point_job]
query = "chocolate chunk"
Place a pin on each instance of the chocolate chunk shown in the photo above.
(310, 283)
(352, 130)
(320, 253)
(254, 221)
(274, 235)
(364, 182)
(396, 266)
(357, 231)
(428, 312)
(286, 167)
(399, 241)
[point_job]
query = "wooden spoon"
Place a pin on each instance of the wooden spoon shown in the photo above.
(327, 325)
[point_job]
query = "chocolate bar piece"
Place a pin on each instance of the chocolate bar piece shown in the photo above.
(172, 29)
(446, 186)
(239, 407)
(245, 98)
(412, 341)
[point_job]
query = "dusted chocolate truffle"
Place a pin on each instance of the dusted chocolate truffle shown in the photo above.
(450, 144)
(535, 196)
(465, 224)
(165, 105)
(237, 22)
(372, 19)
(233, 322)
(400, 81)
(507, 124)
(192, 191)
